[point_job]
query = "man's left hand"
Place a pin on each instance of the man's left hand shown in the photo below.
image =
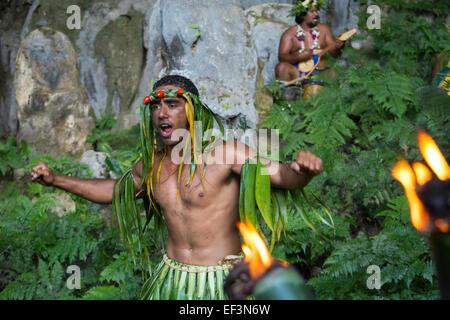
(339, 44)
(307, 163)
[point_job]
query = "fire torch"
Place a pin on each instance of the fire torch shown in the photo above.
(429, 202)
(262, 276)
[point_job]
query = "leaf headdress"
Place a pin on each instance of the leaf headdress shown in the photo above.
(303, 6)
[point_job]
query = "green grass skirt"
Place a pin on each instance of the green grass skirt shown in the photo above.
(179, 281)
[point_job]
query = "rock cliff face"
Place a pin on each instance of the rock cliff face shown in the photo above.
(13, 15)
(53, 109)
(210, 43)
(245, 4)
(229, 48)
(267, 24)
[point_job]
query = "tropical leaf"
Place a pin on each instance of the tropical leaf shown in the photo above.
(262, 194)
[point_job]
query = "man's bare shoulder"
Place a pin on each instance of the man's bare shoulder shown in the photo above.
(290, 32)
(137, 169)
(230, 152)
(236, 147)
(139, 166)
(323, 28)
(221, 150)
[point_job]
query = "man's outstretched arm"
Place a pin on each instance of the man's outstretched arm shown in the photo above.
(95, 190)
(297, 174)
(335, 46)
(294, 175)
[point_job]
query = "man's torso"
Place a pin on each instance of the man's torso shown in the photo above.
(309, 41)
(202, 222)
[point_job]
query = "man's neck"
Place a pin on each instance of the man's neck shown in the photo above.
(169, 149)
(306, 27)
(168, 158)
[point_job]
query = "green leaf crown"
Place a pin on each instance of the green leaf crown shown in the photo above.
(303, 6)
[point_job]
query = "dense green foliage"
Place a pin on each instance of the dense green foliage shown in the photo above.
(359, 125)
(37, 245)
(12, 156)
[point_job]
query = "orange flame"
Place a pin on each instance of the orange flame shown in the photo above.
(423, 174)
(433, 156)
(405, 175)
(247, 253)
(442, 225)
(255, 250)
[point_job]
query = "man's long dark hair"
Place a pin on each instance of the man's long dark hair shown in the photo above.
(300, 18)
(179, 81)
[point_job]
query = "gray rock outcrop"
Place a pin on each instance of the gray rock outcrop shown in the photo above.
(13, 15)
(343, 13)
(210, 43)
(109, 49)
(249, 3)
(111, 56)
(229, 48)
(97, 164)
(267, 24)
(64, 205)
(53, 110)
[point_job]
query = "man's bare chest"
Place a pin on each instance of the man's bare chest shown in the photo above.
(308, 42)
(176, 189)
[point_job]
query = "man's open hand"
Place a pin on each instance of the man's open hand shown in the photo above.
(307, 163)
(42, 174)
(339, 44)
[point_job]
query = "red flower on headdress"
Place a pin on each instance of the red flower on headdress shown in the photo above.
(160, 94)
(147, 99)
(180, 92)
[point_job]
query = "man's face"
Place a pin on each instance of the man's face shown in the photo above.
(168, 115)
(312, 17)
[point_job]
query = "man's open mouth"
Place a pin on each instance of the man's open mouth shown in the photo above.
(165, 130)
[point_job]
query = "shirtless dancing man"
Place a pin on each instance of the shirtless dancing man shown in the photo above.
(202, 222)
(298, 43)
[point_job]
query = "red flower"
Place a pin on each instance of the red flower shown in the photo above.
(160, 94)
(180, 92)
(147, 99)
